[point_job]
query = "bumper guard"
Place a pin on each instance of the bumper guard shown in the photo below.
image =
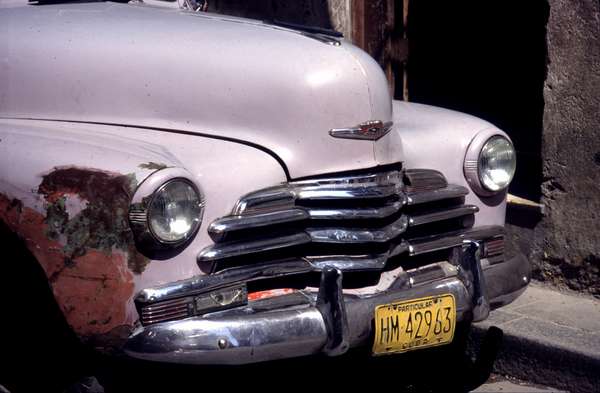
(328, 321)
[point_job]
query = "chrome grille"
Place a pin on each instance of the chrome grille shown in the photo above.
(419, 180)
(165, 311)
(353, 222)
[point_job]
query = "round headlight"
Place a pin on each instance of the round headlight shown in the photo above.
(497, 163)
(175, 211)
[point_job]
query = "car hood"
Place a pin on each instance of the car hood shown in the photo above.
(170, 70)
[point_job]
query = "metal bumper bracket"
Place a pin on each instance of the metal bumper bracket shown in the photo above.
(330, 302)
(469, 260)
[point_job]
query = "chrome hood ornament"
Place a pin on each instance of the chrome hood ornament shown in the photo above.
(370, 130)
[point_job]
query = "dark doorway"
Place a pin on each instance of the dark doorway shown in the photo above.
(303, 12)
(486, 58)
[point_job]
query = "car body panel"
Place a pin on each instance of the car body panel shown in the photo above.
(427, 130)
(65, 189)
(97, 98)
(98, 62)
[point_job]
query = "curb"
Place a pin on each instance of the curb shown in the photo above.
(542, 362)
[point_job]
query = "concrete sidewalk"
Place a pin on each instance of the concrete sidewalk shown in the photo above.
(550, 338)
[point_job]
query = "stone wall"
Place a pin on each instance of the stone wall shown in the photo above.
(567, 247)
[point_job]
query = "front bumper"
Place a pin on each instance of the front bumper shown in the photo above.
(327, 321)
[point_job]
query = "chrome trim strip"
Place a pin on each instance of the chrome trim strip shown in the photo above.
(386, 178)
(279, 197)
(370, 130)
(235, 249)
(358, 213)
(350, 262)
(441, 242)
(374, 185)
(449, 192)
(419, 180)
(340, 235)
(174, 291)
(442, 215)
(220, 227)
(363, 192)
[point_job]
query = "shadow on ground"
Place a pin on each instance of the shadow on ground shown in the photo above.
(447, 368)
(442, 369)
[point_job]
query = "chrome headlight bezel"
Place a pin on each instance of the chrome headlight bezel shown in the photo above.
(472, 162)
(195, 222)
(146, 238)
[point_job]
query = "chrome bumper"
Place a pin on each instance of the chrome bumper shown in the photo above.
(328, 321)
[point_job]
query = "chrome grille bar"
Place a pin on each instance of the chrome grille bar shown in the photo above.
(448, 192)
(358, 213)
(441, 215)
(359, 262)
(339, 235)
(379, 185)
(420, 180)
(356, 210)
(219, 228)
(235, 249)
(448, 240)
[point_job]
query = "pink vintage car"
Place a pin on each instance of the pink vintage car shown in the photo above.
(205, 189)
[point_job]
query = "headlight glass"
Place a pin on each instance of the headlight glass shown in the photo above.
(175, 211)
(497, 163)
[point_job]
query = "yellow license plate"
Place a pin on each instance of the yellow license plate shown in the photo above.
(414, 324)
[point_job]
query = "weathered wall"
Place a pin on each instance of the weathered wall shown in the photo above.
(341, 19)
(567, 249)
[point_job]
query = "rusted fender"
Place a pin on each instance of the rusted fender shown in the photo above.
(66, 193)
(65, 189)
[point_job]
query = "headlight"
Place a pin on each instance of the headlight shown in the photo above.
(497, 163)
(175, 211)
(490, 163)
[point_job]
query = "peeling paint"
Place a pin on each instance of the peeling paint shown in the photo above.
(84, 244)
(152, 166)
(92, 290)
(101, 224)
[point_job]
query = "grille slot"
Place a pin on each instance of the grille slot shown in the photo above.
(356, 222)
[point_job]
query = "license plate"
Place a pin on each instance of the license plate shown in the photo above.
(414, 324)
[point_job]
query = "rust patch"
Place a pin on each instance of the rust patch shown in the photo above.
(93, 290)
(103, 223)
(90, 257)
(31, 227)
(152, 166)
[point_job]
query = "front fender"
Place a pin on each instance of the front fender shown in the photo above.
(437, 138)
(65, 189)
